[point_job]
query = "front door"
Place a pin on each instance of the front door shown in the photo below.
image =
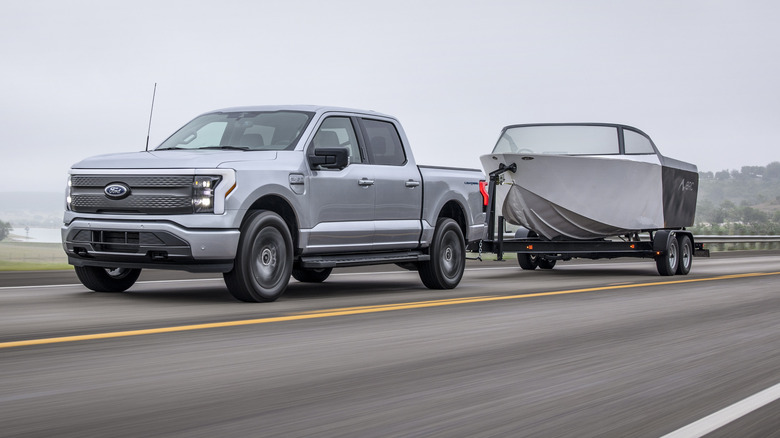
(340, 201)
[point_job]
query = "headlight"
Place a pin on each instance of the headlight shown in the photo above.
(203, 193)
(68, 198)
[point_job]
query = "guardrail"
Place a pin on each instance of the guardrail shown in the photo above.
(722, 243)
(713, 238)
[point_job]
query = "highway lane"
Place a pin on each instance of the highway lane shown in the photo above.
(617, 361)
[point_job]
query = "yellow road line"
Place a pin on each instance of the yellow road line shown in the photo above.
(362, 310)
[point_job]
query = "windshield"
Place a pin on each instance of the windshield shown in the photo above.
(559, 140)
(249, 130)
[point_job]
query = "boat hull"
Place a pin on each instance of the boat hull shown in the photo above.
(590, 197)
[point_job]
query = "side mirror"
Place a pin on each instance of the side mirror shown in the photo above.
(329, 158)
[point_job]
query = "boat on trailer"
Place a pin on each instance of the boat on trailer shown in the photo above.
(591, 180)
(587, 190)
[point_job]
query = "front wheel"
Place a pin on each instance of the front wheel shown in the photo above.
(448, 257)
(668, 261)
(527, 261)
(264, 261)
(107, 279)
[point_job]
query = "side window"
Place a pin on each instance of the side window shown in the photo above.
(337, 132)
(637, 143)
(384, 144)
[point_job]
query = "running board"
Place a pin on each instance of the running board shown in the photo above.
(344, 260)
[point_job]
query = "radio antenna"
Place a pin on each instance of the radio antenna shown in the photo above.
(151, 111)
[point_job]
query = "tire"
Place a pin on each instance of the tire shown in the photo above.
(448, 257)
(668, 261)
(527, 261)
(107, 279)
(264, 260)
(305, 275)
(686, 255)
(546, 263)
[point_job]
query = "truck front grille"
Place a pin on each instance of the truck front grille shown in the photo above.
(148, 194)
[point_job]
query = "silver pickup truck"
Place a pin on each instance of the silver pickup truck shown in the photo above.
(263, 193)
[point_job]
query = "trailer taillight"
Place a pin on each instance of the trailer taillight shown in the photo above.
(484, 192)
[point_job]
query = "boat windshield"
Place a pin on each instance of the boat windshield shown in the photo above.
(248, 131)
(559, 140)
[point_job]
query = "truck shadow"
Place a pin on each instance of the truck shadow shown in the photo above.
(336, 288)
(218, 293)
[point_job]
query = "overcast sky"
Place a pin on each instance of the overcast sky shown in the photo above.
(700, 77)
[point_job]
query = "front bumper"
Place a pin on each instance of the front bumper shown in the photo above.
(148, 244)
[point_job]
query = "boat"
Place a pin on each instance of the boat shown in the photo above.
(583, 181)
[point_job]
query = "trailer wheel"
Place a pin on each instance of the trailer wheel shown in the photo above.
(448, 257)
(546, 263)
(305, 275)
(669, 259)
(686, 255)
(107, 279)
(527, 261)
(264, 261)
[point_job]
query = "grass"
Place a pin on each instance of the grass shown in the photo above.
(29, 256)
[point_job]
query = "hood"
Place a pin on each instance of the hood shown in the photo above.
(174, 159)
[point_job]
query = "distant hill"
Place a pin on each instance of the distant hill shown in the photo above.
(745, 201)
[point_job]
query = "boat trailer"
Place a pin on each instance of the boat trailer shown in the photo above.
(672, 249)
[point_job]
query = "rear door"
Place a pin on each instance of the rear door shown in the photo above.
(398, 186)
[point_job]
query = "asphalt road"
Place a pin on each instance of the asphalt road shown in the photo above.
(585, 350)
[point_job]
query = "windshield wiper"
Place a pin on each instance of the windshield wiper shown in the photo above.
(228, 147)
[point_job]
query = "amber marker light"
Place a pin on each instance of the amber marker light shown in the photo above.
(230, 190)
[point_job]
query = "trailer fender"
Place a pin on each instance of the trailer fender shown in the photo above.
(662, 239)
(523, 233)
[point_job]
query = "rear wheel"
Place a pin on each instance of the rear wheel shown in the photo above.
(264, 261)
(448, 257)
(668, 261)
(546, 263)
(686, 255)
(107, 279)
(306, 275)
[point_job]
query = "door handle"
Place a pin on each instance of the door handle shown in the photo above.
(366, 182)
(412, 183)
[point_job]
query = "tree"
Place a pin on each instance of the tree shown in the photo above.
(753, 171)
(773, 169)
(5, 229)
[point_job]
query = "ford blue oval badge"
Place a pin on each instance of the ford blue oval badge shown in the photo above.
(117, 190)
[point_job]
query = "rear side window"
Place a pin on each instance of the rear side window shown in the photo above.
(384, 144)
(637, 143)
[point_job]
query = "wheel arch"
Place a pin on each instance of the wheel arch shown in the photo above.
(454, 210)
(280, 206)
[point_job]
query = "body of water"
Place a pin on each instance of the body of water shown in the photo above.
(42, 235)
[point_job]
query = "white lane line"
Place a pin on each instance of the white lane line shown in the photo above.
(727, 415)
